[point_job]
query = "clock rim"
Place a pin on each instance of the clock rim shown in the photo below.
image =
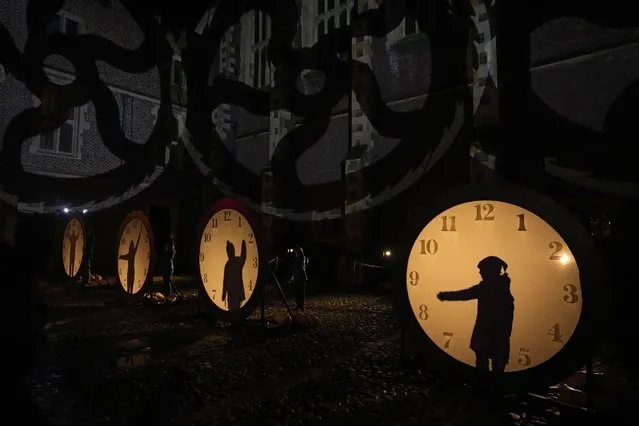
(69, 217)
(136, 214)
(576, 352)
(251, 304)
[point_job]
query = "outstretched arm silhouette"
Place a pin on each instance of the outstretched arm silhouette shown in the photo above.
(467, 294)
(243, 253)
(124, 256)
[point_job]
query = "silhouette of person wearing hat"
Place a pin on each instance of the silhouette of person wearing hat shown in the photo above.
(495, 310)
(233, 283)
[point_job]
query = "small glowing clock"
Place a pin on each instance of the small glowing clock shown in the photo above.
(135, 252)
(498, 279)
(73, 244)
(229, 259)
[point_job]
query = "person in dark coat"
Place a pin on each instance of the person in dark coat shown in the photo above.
(495, 310)
(299, 277)
(233, 283)
(169, 268)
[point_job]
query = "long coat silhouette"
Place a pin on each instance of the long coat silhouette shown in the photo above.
(73, 239)
(495, 312)
(233, 283)
(130, 258)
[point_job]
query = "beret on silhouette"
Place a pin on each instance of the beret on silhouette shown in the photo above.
(492, 262)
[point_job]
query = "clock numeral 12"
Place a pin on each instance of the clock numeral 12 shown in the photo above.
(488, 208)
(555, 332)
(428, 247)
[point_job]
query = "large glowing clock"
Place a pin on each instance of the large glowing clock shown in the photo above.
(73, 243)
(500, 280)
(229, 259)
(135, 252)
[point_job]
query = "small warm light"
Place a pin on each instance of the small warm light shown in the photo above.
(84, 211)
(66, 210)
(564, 259)
(387, 253)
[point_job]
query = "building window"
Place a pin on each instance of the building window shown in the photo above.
(65, 24)
(359, 127)
(331, 5)
(63, 140)
(261, 73)
(483, 57)
(481, 38)
(177, 73)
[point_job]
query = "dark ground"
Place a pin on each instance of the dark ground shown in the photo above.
(108, 362)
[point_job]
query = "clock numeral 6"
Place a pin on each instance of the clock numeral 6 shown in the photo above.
(555, 332)
(572, 296)
(428, 247)
(207, 237)
(447, 341)
(205, 278)
(413, 278)
(227, 215)
(488, 208)
(423, 312)
(201, 257)
(524, 359)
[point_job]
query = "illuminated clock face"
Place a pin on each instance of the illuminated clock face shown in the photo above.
(134, 254)
(73, 247)
(229, 259)
(494, 286)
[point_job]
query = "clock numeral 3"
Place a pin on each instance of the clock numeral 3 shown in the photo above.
(488, 208)
(205, 278)
(413, 278)
(448, 224)
(207, 237)
(556, 255)
(572, 296)
(522, 222)
(255, 262)
(555, 332)
(423, 312)
(524, 358)
(447, 341)
(428, 247)
(227, 215)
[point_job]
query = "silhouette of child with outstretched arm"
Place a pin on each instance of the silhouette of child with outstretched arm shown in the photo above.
(130, 258)
(495, 309)
(233, 284)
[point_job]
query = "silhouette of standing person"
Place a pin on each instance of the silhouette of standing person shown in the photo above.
(233, 283)
(299, 277)
(130, 258)
(73, 239)
(169, 267)
(495, 310)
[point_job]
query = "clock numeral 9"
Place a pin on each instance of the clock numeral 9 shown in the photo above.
(413, 278)
(227, 215)
(488, 208)
(205, 278)
(207, 237)
(556, 255)
(255, 262)
(448, 224)
(447, 342)
(251, 237)
(524, 359)
(572, 296)
(423, 312)
(428, 247)
(201, 257)
(555, 332)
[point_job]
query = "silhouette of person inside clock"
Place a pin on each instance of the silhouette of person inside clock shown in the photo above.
(233, 283)
(130, 258)
(495, 310)
(73, 239)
